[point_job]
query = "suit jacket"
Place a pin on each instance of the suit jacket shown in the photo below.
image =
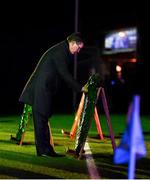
(42, 84)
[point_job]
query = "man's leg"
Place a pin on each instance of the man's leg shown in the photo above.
(42, 134)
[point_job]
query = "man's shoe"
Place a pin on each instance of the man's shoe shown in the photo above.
(50, 154)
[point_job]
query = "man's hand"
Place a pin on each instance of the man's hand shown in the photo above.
(84, 88)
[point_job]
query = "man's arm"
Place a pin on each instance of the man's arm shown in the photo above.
(62, 69)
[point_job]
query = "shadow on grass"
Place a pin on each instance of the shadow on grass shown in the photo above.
(106, 167)
(59, 163)
(14, 142)
(116, 136)
(23, 174)
(105, 136)
(109, 170)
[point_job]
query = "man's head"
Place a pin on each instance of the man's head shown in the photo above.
(75, 42)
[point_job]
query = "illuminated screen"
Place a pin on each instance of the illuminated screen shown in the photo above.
(124, 40)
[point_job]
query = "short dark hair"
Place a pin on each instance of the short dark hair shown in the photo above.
(75, 37)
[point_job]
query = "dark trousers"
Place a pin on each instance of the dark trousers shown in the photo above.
(42, 133)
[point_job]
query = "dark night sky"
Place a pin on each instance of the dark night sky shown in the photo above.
(27, 30)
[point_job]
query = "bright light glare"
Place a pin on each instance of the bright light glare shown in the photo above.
(118, 68)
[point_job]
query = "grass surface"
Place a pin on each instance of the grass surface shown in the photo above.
(21, 162)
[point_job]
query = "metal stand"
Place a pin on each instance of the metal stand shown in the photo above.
(23, 124)
(86, 125)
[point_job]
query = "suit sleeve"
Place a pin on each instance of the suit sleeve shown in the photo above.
(62, 69)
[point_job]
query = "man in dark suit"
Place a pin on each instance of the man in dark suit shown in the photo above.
(42, 85)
